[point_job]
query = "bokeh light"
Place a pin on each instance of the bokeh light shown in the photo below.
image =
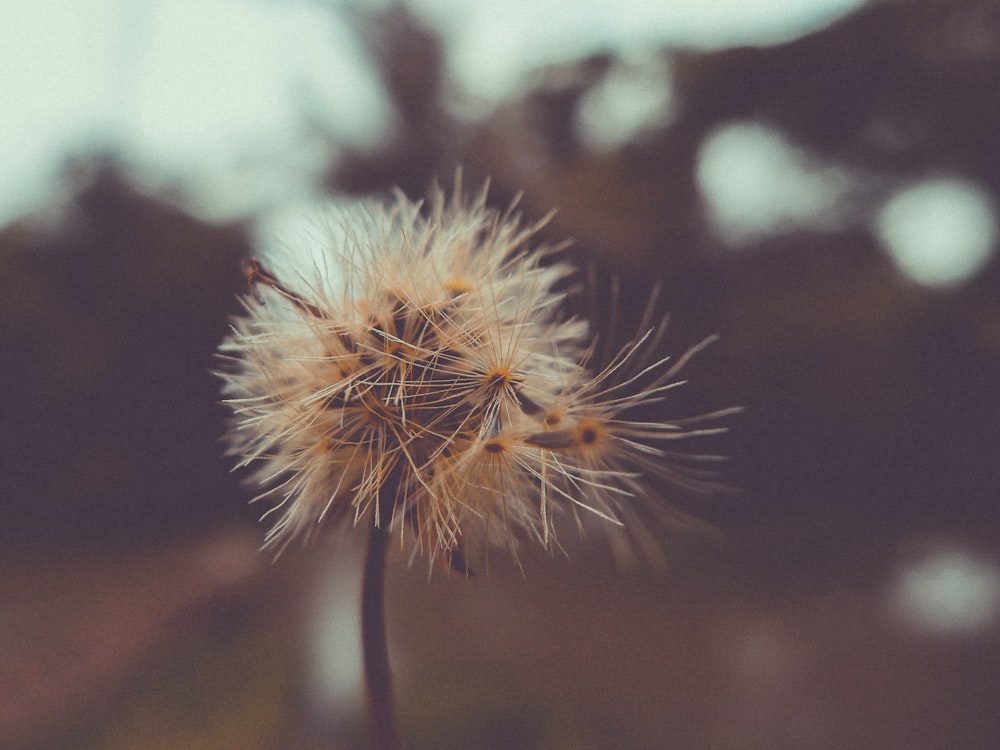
(629, 99)
(939, 232)
(948, 591)
(755, 182)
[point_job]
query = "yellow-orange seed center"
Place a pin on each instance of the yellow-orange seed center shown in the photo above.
(498, 379)
(458, 286)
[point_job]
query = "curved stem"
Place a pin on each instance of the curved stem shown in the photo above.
(374, 646)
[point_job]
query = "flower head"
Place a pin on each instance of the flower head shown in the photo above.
(422, 374)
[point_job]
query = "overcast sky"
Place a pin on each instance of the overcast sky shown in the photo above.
(205, 91)
(234, 104)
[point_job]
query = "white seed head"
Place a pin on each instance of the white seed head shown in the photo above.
(422, 374)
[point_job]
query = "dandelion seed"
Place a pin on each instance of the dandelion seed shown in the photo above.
(422, 378)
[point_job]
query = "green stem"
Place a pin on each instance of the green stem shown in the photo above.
(375, 649)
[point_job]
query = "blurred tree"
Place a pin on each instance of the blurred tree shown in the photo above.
(108, 323)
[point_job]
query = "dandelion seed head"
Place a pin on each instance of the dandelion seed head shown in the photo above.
(419, 372)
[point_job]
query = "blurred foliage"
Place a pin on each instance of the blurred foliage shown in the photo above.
(109, 320)
(872, 407)
(873, 416)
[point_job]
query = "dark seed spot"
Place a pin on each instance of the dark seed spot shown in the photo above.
(456, 561)
(528, 406)
(346, 340)
(555, 440)
(497, 379)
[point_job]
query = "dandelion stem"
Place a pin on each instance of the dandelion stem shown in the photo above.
(376, 655)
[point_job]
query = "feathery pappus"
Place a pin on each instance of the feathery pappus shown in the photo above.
(420, 372)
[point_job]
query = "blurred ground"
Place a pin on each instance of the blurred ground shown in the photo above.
(855, 602)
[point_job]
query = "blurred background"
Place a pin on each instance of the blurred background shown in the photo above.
(815, 180)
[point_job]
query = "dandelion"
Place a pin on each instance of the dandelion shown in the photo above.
(419, 377)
